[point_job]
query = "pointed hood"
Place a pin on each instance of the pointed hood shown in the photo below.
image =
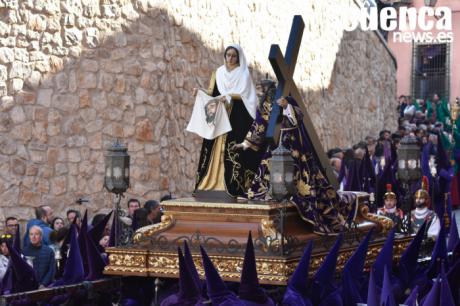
(453, 234)
(372, 294)
(412, 299)
(249, 285)
(454, 280)
(425, 161)
(322, 282)
(188, 294)
(82, 236)
(73, 270)
(385, 258)
(408, 262)
(353, 273)
(445, 298)
(187, 286)
(432, 298)
(299, 279)
(115, 225)
(191, 266)
(439, 253)
(442, 162)
(217, 291)
(353, 179)
(297, 289)
(98, 230)
(386, 297)
(17, 241)
(24, 276)
(93, 258)
(367, 173)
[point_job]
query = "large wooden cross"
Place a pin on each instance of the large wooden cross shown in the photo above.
(284, 71)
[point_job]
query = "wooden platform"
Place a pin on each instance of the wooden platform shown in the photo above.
(222, 228)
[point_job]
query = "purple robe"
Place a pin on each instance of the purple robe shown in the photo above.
(317, 201)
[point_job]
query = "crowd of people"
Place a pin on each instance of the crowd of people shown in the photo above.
(45, 246)
(372, 166)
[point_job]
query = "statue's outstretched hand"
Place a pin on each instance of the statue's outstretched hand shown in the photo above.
(239, 146)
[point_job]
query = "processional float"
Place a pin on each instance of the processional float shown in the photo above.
(221, 227)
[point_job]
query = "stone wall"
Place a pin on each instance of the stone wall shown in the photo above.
(77, 74)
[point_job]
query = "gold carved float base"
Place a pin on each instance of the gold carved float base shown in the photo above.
(222, 228)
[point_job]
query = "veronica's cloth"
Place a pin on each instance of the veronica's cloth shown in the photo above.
(209, 117)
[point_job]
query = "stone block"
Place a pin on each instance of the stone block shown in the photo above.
(72, 36)
(44, 97)
(6, 103)
(33, 80)
(65, 102)
(17, 115)
(6, 55)
(18, 166)
(87, 80)
(58, 185)
(22, 132)
(144, 130)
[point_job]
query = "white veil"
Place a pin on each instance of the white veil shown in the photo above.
(238, 81)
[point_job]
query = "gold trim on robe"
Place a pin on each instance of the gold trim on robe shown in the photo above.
(214, 178)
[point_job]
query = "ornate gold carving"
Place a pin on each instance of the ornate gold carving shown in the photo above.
(240, 206)
(126, 263)
(167, 221)
(270, 270)
(270, 232)
(385, 223)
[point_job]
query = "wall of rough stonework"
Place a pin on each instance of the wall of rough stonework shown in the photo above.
(77, 74)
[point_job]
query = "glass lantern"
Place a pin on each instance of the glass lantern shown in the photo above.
(409, 159)
(116, 179)
(281, 173)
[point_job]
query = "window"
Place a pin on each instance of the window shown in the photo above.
(430, 70)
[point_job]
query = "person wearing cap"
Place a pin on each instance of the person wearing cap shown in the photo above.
(390, 210)
(422, 213)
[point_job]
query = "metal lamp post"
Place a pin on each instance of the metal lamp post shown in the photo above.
(408, 168)
(116, 178)
(281, 181)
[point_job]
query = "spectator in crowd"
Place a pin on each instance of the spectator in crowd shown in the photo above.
(43, 256)
(98, 218)
(43, 217)
(154, 212)
(57, 223)
(4, 253)
(335, 152)
(72, 215)
(11, 225)
(140, 218)
(402, 105)
(336, 164)
(133, 204)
